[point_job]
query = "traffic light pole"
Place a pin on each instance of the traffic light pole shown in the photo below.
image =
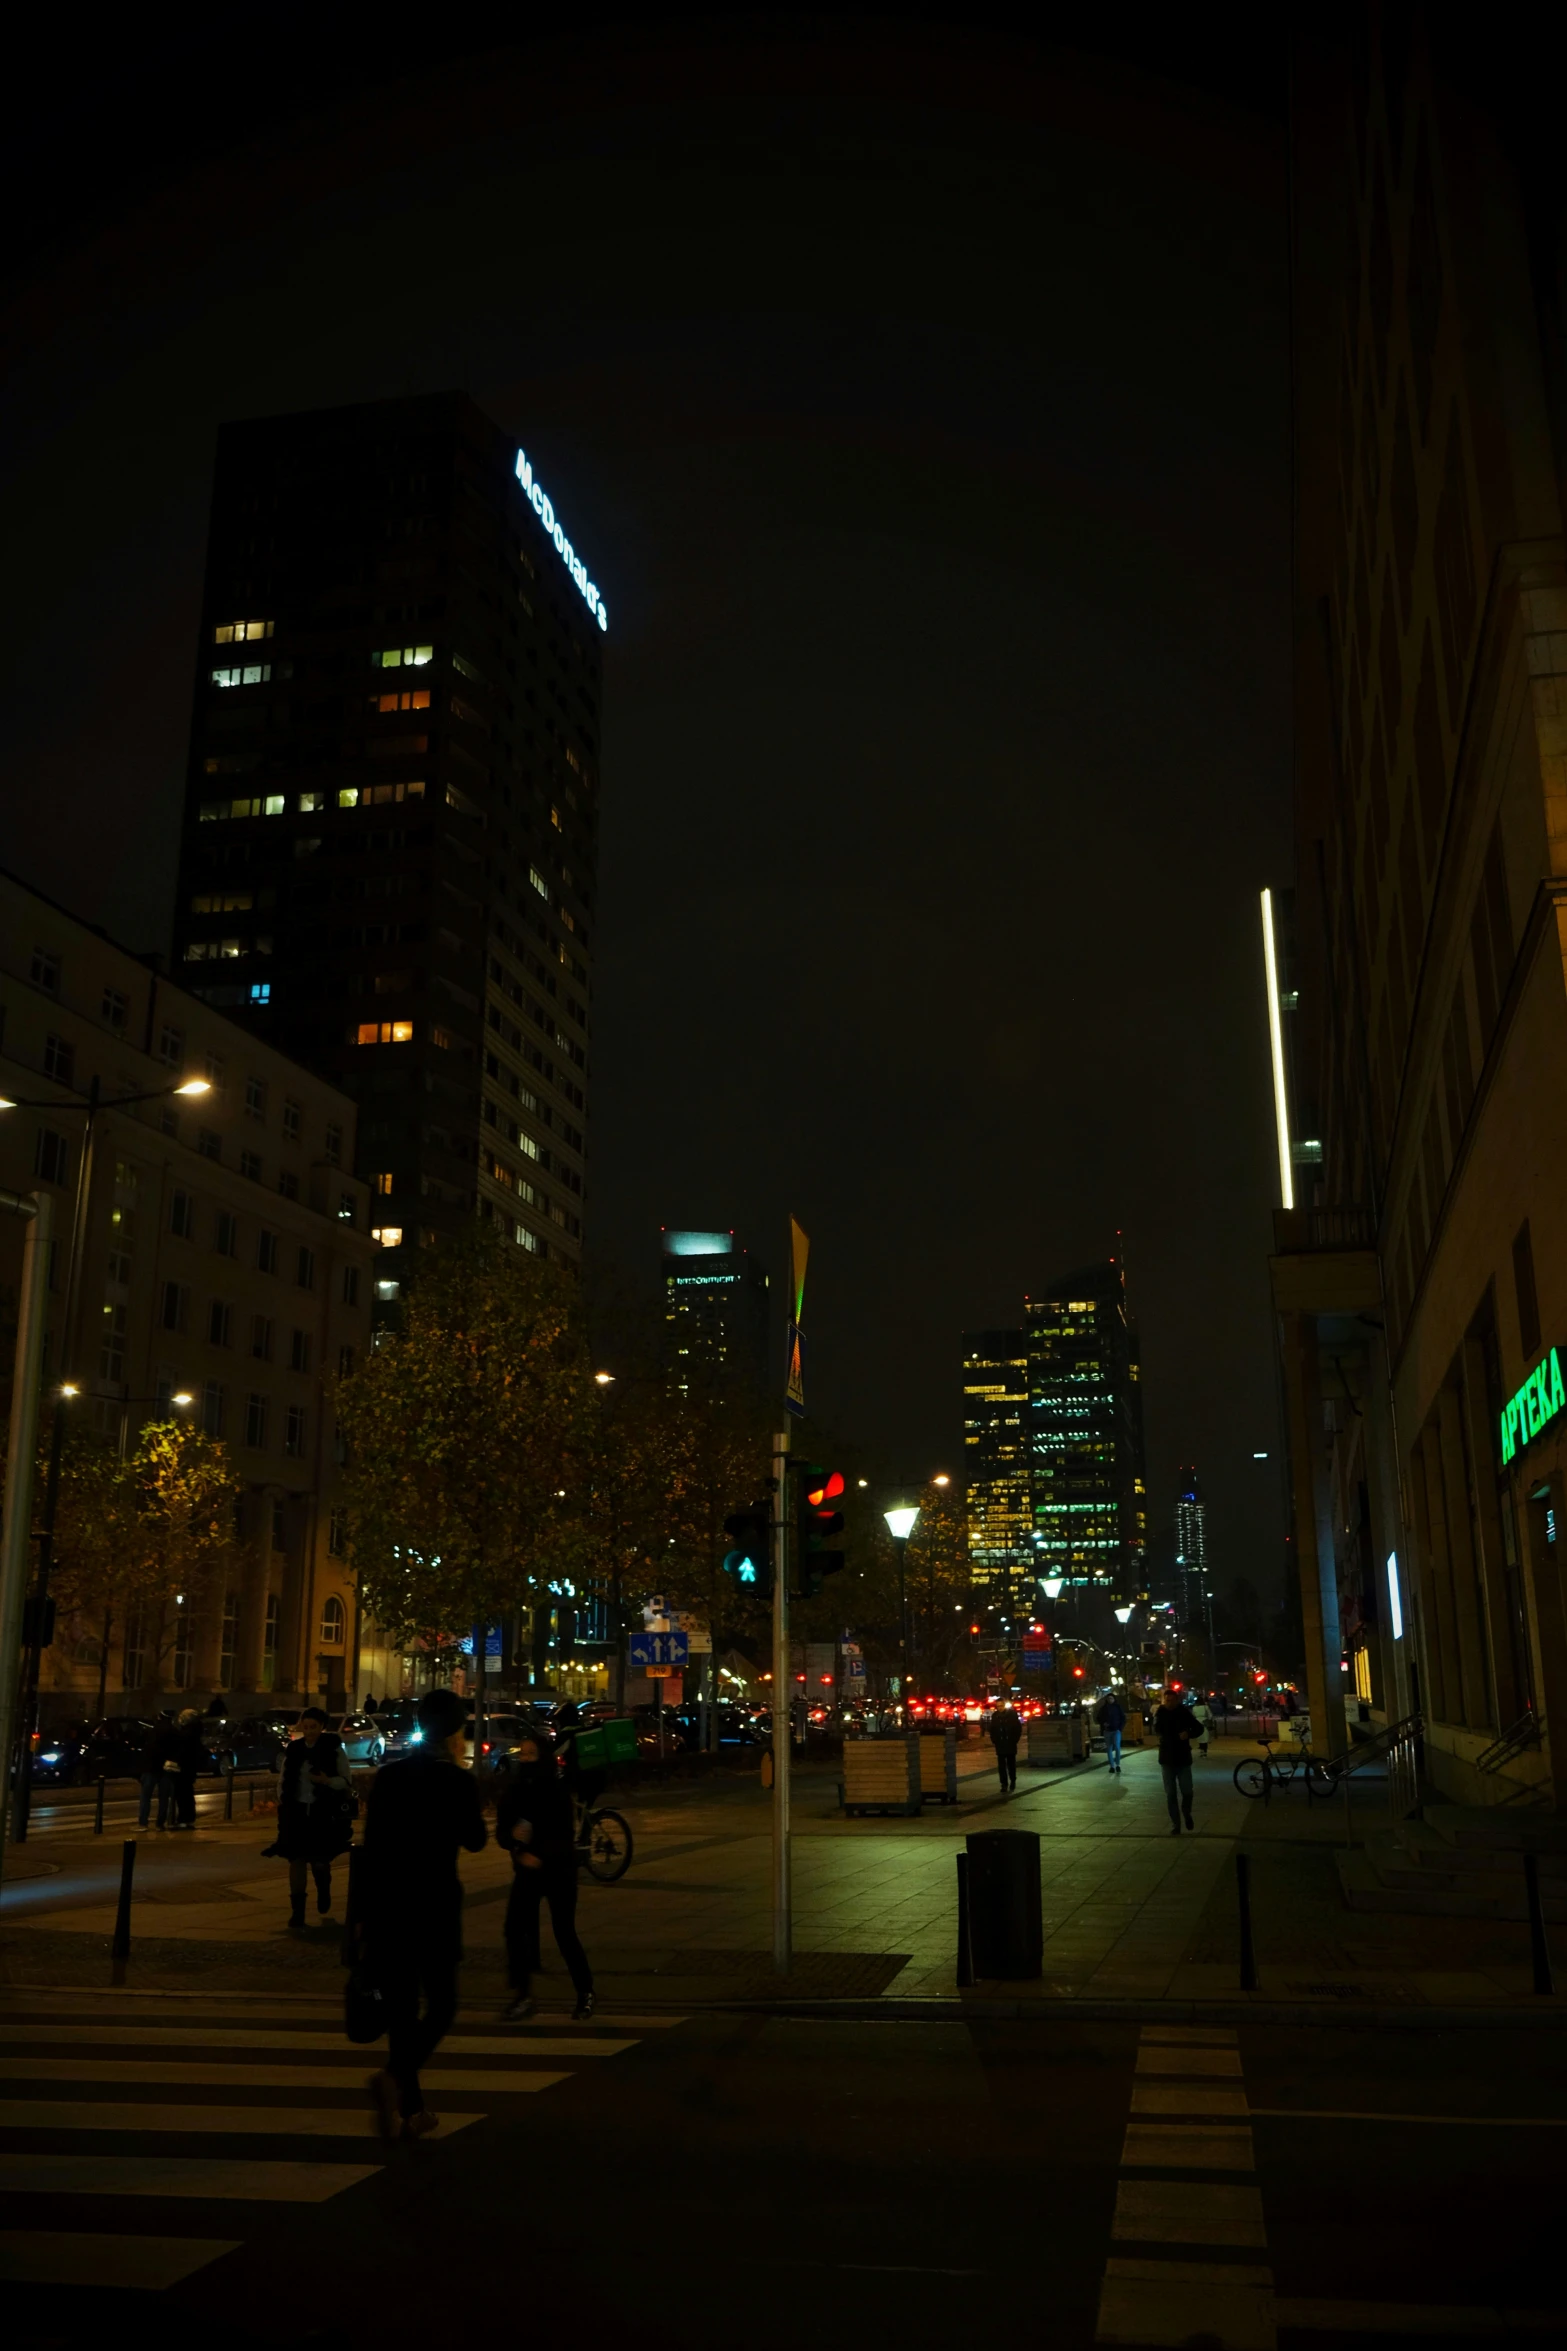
(783, 1696)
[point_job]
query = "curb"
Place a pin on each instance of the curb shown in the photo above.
(1356, 2016)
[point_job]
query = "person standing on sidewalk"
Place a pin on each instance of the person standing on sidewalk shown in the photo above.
(1005, 1731)
(533, 1821)
(1202, 1716)
(423, 1811)
(159, 1774)
(189, 1752)
(1175, 1730)
(1111, 1718)
(313, 1796)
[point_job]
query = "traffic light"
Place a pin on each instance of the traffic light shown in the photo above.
(751, 1560)
(815, 1524)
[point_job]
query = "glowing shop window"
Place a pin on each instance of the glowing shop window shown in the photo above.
(384, 1032)
(255, 673)
(390, 1236)
(241, 632)
(403, 657)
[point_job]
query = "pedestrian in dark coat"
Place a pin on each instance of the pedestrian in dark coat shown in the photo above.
(188, 1751)
(1111, 1718)
(423, 1811)
(313, 1812)
(1006, 1731)
(155, 1780)
(533, 1820)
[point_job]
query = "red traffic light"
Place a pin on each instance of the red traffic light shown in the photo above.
(1077, 1673)
(828, 1491)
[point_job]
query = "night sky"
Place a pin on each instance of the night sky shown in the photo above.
(919, 400)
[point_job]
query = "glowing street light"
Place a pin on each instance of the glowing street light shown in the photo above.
(604, 1379)
(1270, 957)
(1051, 1585)
(902, 1519)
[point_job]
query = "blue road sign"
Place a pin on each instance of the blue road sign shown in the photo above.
(659, 1649)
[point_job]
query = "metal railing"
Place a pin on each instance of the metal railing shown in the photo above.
(1516, 1740)
(1302, 1231)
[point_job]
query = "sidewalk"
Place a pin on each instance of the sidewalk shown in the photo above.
(1131, 1913)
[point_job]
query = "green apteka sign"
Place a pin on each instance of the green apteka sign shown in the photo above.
(1536, 1404)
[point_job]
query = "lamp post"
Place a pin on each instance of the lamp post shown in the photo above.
(901, 1520)
(89, 1106)
(182, 1399)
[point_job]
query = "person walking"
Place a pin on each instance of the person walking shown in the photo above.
(1175, 1730)
(160, 1765)
(1006, 1729)
(423, 1811)
(534, 1823)
(189, 1753)
(1202, 1716)
(1111, 1718)
(313, 1812)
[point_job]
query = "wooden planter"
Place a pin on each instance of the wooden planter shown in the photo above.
(938, 1766)
(880, 1775)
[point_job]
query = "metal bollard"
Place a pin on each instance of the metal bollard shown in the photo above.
(1539, 1948)
(97, 1816)
(965, 1927)
(252, 1804)
(120, 1948)
(1248, 1955)
(228, 1796)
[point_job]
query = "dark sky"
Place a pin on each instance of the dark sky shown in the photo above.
(919, 398)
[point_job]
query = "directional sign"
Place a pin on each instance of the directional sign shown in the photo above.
(654, 1608)
(698, 1633)
(665, 1649)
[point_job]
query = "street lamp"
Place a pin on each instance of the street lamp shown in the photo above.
(902, 1518)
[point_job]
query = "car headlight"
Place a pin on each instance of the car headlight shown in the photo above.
(416, 1738)
(53, 1757)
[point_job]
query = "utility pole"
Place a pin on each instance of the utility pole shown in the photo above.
(783, 1696)
(16, 1526)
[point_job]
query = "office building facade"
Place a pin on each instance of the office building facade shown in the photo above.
(998, 1486)
(227, 1258)
(716, 1309)
(389, 850)
(1420, 1275)
(1192, 1588)
(1085, 1433)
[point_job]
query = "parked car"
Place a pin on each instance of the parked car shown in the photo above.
(114, 1747)
(503, 1733)
(57, 1754)
(363, 1739)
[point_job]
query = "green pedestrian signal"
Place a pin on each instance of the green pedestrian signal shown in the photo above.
(750, 1563)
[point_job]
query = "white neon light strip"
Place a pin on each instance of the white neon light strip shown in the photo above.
(1393, 1599)
(1276, 1038)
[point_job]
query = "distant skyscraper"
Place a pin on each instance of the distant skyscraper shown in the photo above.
(388, 860)
(1191, 1552)
(715, 1315)
(996, 1460)
(1085, 1432)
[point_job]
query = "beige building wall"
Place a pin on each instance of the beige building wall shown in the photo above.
(226, 1253)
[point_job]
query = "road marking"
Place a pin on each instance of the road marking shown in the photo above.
(1193, 2061)
(189, 2072)
(58, 2257)
(1504, 2122)
(1188, 2036)
(303, 2122)
(196, 2176)
(1193, 2146)
(196, 2036)
(1188, 2212)
(1415, 2318)
(1189, 2098)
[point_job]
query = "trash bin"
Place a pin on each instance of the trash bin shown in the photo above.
(1006, 1916)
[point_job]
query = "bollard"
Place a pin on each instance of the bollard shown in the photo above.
(1349, 1825)
(1248, 1956)
(965, 1933)
(120, 1948)
(252, 1804)
(228, 1796)
(97, 1816)
(1539, 1948)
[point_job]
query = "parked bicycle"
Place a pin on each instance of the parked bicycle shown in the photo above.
(603, 1842)
(1258, 1774)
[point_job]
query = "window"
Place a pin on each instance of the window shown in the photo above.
(334, 1146)
(182, 1215)
(111, 1364)
(279, 1528)
(290, 1120)
(214, 1398)
(403, 657)
(382, 1183)
(1528, 1296)
(216, 811)
(220, 1323)
(388, 1292)
(337, 1535)
(226, 1234)
(261, 1337)
(230, 1639)
(345, 1362)
(333, 1620)
(346, 1206)
(269, 1643)
(417, 699)
(241, 632)
(116, 1009)
(182, 1647)
(51, 1157)
(255, 1099)
(223, 902)
(46, 971)
(256, 1422)
(382, 1032)
(60, 1060)
(250, 1166)
(305, 1269)
(294, 1431)
(176, 1306)
(249, 673)
(209, 1143)
(215, 1070)
(288, 1183)
(266, 1252)
(261, 991)
(389, 1236)
(299, 1352)
(350, 1285)
(538, 881)
(171, 1047)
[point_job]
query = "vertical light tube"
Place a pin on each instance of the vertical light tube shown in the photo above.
(1276, 1039)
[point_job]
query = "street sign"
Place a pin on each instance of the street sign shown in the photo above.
(794, 1386)
(654, 1608)
(699, 1636)
(854, 1669)
(659, 1673)
(652, 1651)
(492, 1644)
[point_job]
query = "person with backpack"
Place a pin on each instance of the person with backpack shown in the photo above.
(534, 1823)
(1110, 1715)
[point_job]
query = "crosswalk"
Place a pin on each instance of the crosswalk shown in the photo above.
(168, 2117)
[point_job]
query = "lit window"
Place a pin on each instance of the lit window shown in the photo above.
(348, 798)
(527, 1240)
(332, 1622)
(310, 803)
(273, 804)
(538, 881)
(217, 811)
(261, 991)
(410, 701)
(241, 632)
(375, 795)
(403, 657)
(390, 1236)
(254, 673)
(384, 1032)
(222, 902)
(382, 1183)
(387, 1291)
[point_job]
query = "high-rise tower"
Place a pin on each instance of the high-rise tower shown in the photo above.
(1085, 1432)
(715, 1316)
(996, 1465)
(1191, 1552)
(389, 850)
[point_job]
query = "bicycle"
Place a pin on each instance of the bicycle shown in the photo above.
(1256, 1775)
(603, 1842)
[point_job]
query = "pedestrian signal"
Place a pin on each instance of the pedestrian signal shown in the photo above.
(816, 1522)
(750, 1563)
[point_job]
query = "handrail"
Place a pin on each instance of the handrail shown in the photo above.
(1377, 1747)
(1522, 1734)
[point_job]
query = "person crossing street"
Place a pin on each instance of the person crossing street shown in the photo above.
(1175, 1730)
(533, 1822)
